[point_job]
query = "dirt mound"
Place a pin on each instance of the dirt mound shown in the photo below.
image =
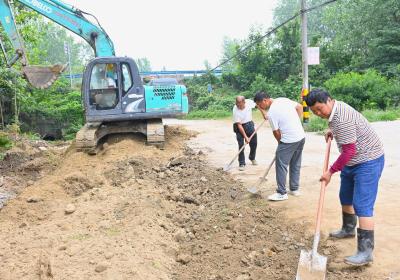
(136, 212)
(25, 163)
(178, 131)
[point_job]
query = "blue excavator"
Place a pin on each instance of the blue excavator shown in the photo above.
(113, 95)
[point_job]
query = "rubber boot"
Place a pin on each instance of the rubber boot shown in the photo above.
(365, 246)
(348, 227)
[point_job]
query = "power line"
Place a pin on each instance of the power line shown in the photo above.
(272, 31)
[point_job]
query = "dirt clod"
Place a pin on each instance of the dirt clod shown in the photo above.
(100, 268)
(77, 184)
(33, 199)
(70, 208)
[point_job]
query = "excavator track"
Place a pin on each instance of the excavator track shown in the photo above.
(88, 137)
(155, 133)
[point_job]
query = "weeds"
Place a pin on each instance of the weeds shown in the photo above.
(376, 116)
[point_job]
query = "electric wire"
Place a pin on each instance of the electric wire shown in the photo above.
(272, 31)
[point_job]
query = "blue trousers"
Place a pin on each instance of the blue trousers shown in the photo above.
(359, 185)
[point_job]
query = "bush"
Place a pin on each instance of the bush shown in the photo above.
(370, 90)
(5, 144)
(316, 124)
(55, 109)
(290, 88)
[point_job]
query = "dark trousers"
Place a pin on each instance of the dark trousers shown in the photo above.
(248, 129)
(288, 155)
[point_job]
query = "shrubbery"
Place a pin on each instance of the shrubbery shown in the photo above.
(363, 91)
(370, 90)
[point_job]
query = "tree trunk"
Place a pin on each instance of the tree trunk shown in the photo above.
(16, 119)
(1, 112)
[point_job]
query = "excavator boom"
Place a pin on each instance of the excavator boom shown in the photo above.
(63, 14)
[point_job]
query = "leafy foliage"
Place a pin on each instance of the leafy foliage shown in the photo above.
(360, 57)
(364, 91)
(58, 107)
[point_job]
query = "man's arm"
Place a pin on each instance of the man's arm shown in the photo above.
(299, 110)
(277, 135)
(241, 130)
(348, 152)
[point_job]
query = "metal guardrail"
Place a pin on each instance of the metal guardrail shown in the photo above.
(160, 73)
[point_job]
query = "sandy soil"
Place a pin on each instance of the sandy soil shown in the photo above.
(137, 212)
(218, 140)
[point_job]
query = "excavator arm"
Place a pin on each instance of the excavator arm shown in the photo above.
(10, 28)
(67, 16)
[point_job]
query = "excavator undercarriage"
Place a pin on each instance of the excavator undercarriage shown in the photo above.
(88, 137)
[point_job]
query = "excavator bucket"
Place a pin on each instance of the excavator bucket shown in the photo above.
(43, 76)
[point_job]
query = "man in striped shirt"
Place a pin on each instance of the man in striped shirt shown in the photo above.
(360, 162)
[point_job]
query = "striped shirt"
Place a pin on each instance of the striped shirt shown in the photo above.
(349, 126)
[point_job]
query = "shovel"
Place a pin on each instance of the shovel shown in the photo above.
(312, 266)
(228, 166)
(254, 189)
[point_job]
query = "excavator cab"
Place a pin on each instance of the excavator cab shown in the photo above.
(112, 89)
(116, 101)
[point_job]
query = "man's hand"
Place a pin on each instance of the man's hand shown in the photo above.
(277, 134)
(247, 139)
(326, 177)
(328, 134)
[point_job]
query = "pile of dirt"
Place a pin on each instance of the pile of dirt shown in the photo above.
(25, 163)
(137, 212)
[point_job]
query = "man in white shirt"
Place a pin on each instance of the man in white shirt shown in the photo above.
(244, 128)
(284, 116)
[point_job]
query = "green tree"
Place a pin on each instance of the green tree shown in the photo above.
(143, 64)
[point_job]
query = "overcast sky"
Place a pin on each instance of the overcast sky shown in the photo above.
(177, 34)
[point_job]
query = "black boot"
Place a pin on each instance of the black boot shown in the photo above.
(348, 227)
(365, 246)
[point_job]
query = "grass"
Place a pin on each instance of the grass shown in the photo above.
(80, 236)
(316, 124)
(210, 115)
(5, 144)
(377, 116)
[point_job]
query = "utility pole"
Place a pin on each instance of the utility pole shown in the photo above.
(304, 47)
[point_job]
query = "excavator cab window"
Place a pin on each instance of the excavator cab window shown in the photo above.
(126, 78)
(104, 86)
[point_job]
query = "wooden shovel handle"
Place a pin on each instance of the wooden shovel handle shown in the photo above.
(251, 136)
(323, 186)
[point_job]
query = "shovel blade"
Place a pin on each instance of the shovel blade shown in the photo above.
(252, 190)
(311, 267)
(227, 167)
(42, 76)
